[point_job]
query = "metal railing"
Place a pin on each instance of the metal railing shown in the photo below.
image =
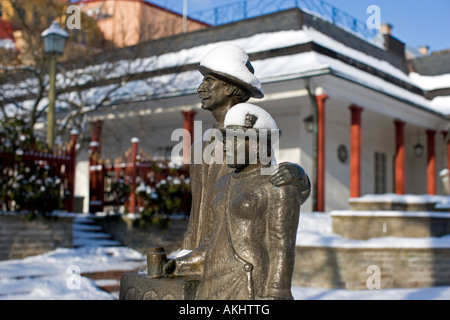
(245, 9)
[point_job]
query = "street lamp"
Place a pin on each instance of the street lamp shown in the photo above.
(309, 123)
(418, 150)
(54, 42)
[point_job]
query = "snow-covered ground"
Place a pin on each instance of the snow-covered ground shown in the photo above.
(56, 274)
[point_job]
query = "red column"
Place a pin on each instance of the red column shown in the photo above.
(320, 185)
(96, 134)
(188, 125)
(446, 136)
(95, 179)
(134, 152)
(355, 151)
(96, 187)
(71, 168)
(399, 157)
(431, 162)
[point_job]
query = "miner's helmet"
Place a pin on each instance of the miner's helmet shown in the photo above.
(245, 116)
(231, 64)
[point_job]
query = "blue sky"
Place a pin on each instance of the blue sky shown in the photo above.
(416, 22)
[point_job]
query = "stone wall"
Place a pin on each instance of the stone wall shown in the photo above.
(364, 225)
(141, 239)
(20, 237)
(334, 267)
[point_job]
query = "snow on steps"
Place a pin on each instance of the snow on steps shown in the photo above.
(87, 233)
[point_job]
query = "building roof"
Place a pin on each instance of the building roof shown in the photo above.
(281, 45)
(435, 64)
(147, 3)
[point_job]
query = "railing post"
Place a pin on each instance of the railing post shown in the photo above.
(188, 139)
(355, 151)
(71, 168)
(399, 157)
(431, 162)
(134, 152)
(321, 165)
(216, 16)
(96, 187)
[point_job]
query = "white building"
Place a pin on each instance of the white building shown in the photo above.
(371, 108)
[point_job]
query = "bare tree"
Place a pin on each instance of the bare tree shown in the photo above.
(86, 80)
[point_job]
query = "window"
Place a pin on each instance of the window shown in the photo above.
(380, 172)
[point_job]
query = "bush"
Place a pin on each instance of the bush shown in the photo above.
(170, 195)
(26, 186)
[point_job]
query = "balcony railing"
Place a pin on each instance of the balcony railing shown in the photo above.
(245, 9)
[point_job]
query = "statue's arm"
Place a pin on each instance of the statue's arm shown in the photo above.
(187, 265)
(291, 173)
(283, 217)
(196, 189)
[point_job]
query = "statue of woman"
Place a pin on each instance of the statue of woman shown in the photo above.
(251, 251)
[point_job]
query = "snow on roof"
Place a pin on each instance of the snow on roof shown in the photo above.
(54, 29)
(265, 69)
(431, 82)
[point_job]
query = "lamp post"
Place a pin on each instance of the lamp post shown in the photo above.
(418, 150)
(54, 42)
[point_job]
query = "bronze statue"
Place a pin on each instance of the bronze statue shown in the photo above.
(242, 227)
(228, 80)
(251, 250)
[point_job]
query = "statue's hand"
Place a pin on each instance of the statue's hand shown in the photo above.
(290, 173)
(169, 268)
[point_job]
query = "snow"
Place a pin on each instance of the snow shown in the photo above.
(441, 103)
(431, 82)
(405, 198)
(51, 275)
(390, 213)
(265, 70)
(231, 59)
(55, 29)
(315, 230)
(46, 276)
(434, 293)
(236, 116)
(7, 44)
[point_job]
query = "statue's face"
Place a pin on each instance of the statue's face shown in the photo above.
(212, 92)
(235, 149)
(240, 151)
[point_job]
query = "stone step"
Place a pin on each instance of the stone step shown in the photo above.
(109, 280)
(88, 233)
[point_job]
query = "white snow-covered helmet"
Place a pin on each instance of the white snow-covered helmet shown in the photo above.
(249, 116)
(231, 62)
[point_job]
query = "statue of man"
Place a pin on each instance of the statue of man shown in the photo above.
(251, 250)
(228, 80)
